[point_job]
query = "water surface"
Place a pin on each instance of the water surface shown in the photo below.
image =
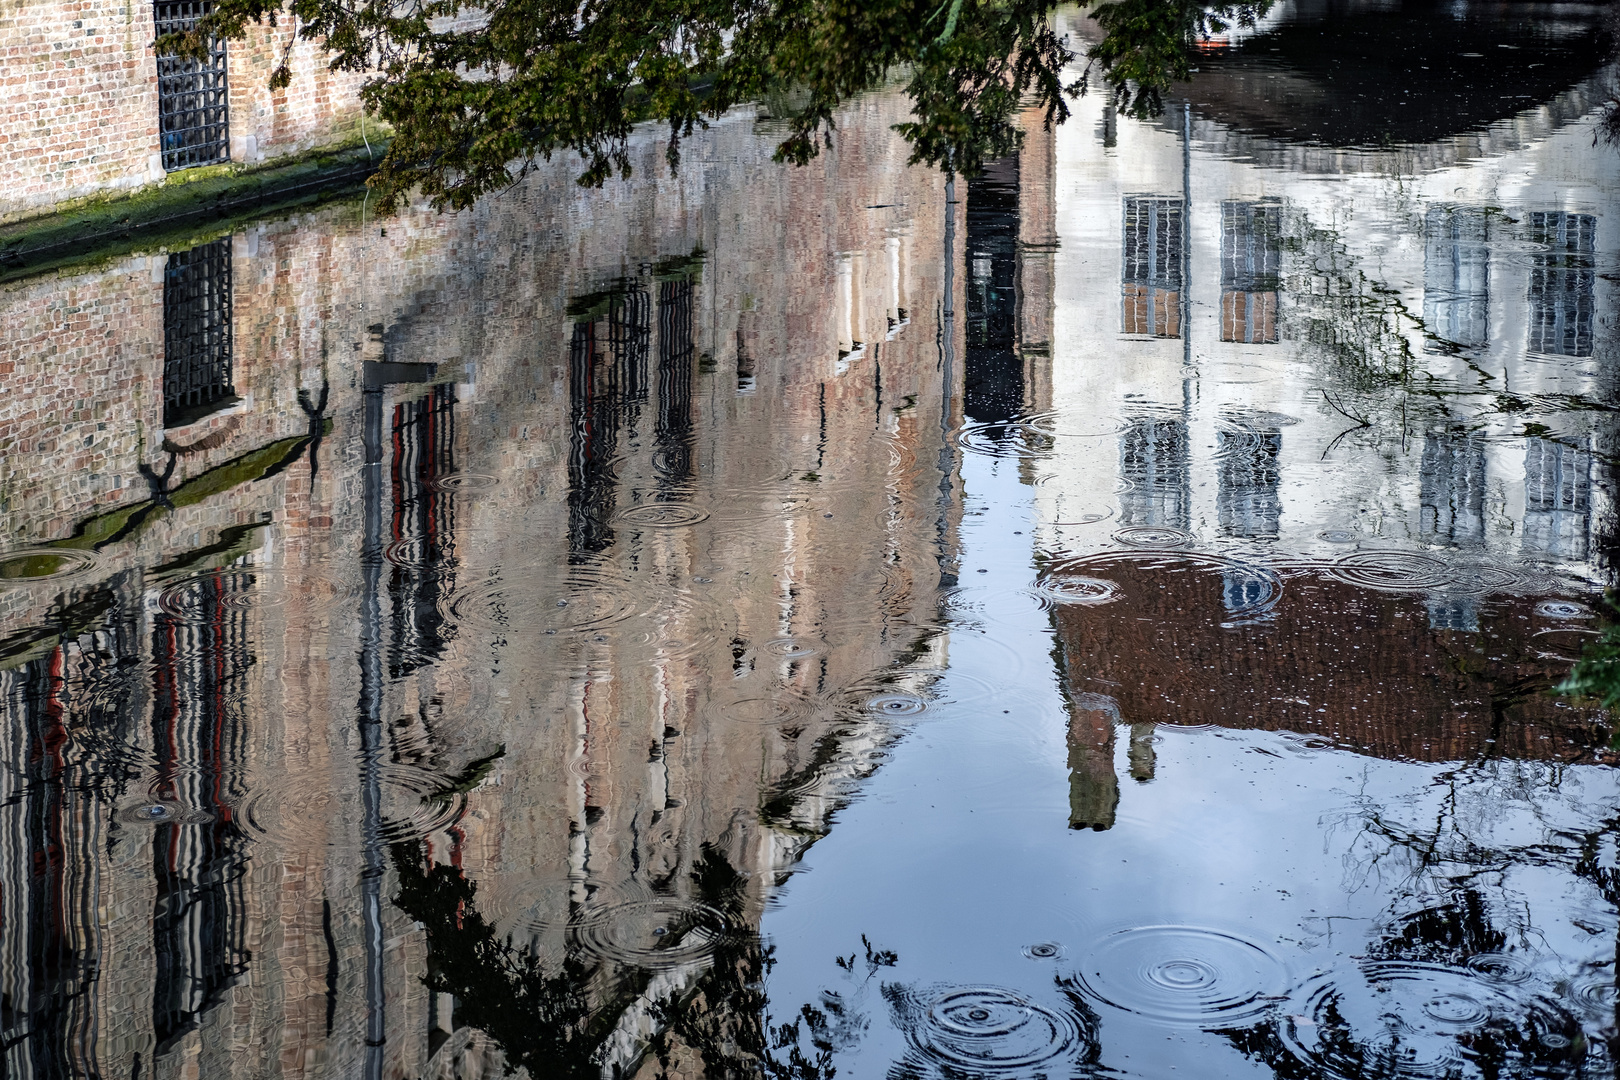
(1096, 618)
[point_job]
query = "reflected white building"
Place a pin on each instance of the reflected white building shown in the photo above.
(1378, 347)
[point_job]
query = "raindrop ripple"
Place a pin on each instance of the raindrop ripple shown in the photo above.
(1186, 976)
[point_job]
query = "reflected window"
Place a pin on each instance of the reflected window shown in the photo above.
(607, 384)
(1093, 783)
(1151, 289)
(424, 524)
(57, 721)
(672, 434)
(629, 332)
(1557, 498)
(993, 389)
(1451, 487)
(1251, 262)
(1246, 499)
(1154, 462)
(199, 919)
(1457, 275)
(197, 333)
(1562, 279)
(1454, 613)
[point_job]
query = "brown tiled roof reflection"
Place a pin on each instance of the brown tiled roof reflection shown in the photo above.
(1408, 675)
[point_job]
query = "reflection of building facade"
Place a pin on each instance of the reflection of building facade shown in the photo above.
(1336, 392)
(537, 697)
(1284, 271)
(1415, 686)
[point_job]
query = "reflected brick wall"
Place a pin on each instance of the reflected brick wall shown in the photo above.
(1396, 675)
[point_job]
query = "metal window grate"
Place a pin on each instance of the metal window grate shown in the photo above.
(424, 526)
(200, 739)
(595, 395)
(197, 333)
(193, 122)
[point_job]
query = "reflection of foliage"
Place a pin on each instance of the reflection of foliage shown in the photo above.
(468, 779)
(1596, 675)
(1357, 323)
(1447, 934)
(553, 1018)
(1443, 936)
(725, 1017)
(540, 1018)
(1147, 44)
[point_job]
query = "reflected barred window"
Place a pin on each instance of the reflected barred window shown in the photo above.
(197, 333)
(673, 432)
(1557, 498)
(1562, 279)
(199, 735)
(1251, 263)
(62, 716)
(1246, 501)
(1154, 460)
(424, 435)
(1451, 487)
(629, 336)
(1152, 276)
(607, 383)
(193, 121)
(1453, 613)
(1457, 275)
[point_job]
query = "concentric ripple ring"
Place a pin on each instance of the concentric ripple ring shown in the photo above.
(987, 1029)
(1186, 976)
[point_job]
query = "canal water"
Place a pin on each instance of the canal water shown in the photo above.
(1096, 618)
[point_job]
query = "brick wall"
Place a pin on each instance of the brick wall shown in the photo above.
(320, 104)
(79, 101)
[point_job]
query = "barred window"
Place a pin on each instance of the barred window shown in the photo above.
(1557, 498)
(1251, 261)
(1562, 279)
(1151, 278)
(1154, 459)
(197, 333)
(193, 125)
(1457, 275)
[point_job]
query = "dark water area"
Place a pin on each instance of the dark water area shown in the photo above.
(1098, 618)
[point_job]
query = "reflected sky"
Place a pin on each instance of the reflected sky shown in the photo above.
(1098, 618)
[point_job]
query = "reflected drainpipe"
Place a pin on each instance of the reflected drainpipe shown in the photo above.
(1186, 240)
(379, 374)
(947, 572)
(371, 731)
